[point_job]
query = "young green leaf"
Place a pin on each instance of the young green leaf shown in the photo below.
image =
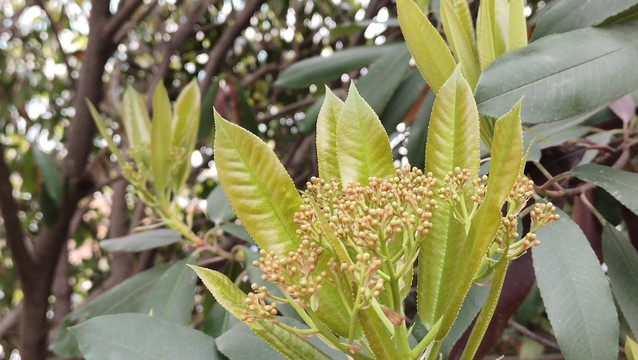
(327, 137)
(431, 54)
(575, 292)
(489, 38)
(161, 141)
(258, 187)
(100, 124)
(363, 148)
(377, 335)
(631, 348)
(185, 127)
(463, 47)
(137, 124)
(453, 141)
(517, 32)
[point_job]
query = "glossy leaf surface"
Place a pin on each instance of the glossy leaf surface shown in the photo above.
(363, 148)
(429, 50)
(51, 174)
(141, 337)
(620, 184)
(258, 187)
(141, 241)
(575, 292)
(567, 15)
(622, 261)
(453, 141)
(563, 76)
(327, 136)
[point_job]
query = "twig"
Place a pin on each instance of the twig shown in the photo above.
(54, 28)
(289, 108)
(532, 335)
(123, 14)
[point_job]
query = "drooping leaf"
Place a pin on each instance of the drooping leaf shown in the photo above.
(567, 15)
(218, 207)
(232, 299)
(321, 69)
(258, 187)
(172, 297)
(431, 54)
(575, 292)
(161, 141)
(622, 261)
(620, 184)
(128, 296)
(146, 240)
(363, 148)
(563, 76)
(141, 337)
(383, 78)
(327, 136)
(453, 141)
(51, 174)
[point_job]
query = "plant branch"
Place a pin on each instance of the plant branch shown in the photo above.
(532, 335)
(123, 14)
(54, 28)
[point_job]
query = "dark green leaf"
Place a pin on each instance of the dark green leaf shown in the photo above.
(237, 230)
(51, 175)
(218, 208)
(402, 100)
(620, 184)
(141, 337)
(172, 297)
(622, 261)
(206, 131)
(240, 343)
(563, 76)
(320, 69)
(575, 292)
(569, 15)
(419, 132)
(141, 241)
(218, 321)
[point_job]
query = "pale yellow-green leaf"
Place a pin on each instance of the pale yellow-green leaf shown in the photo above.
(489, 36)
(363, 148)
(377, 336)
(161, 140)
(137, 124)
(99, 122)
(424, 5)
(631, 348)
(517, 32)
(505, 165)
(453, 141)
(185, 128)
(462, 10)
(258, 187)
(327, 136)
(431, 54)
(231, 298)
(463, 47)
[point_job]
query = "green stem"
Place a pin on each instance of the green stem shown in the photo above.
(426, 341)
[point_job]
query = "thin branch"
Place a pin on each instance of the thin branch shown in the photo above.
(226, 41)
(177, 39)
(13, 227)
(56, 33)
(532, 335)
(123, 14)
(288, 109)
(121, 32)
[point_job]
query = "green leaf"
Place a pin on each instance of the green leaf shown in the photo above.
(51, 175)
(218, 207)
(620, 184)
(593, 67)
(403, 100)
(453, 141)
(141, 337)
(218, 321)
(489, 38)
(137, 124)
(232, 299)
(377, 336)
(505, 166)
(363, 148)
(517, 36)
(141, 241)
(622, 261)
(185, 127)
(471, 306)
(383, 78)
(575, 292)
(327, 136)
(463, 46)
(237, 230)
(567, 15)
(173, 294)
(431, 54)
(258, 187)
(419, 131)
(240, 343)
(206, 131)
(100, 124)
(631, 348)
(128, 296)
(321, 69)
(161, 141)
